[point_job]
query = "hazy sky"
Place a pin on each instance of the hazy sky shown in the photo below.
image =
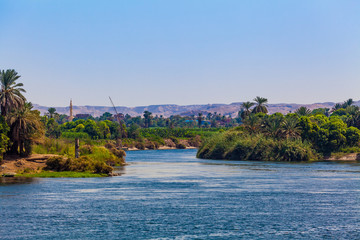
(182, 52)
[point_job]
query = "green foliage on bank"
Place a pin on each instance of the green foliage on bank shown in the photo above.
(82, 164)
(237, 145)
(301, 136)
(66, 174)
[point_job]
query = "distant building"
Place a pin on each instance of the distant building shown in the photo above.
(82, 116)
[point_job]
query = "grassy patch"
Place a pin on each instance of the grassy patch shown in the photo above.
(66, 174)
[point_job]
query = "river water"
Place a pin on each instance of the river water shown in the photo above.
(169, 194)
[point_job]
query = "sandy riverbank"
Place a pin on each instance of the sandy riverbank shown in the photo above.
(13, 164)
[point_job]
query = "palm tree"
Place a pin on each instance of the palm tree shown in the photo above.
(352, 109)
(303, 111)
(25, 124)
(260, 105)
(272, 126)
(51, 112)
(199, 119)
(348, 103)
(147, 118)
(246, 109)
(290, 128)
(336, 107)
(344, 105)
(11, 92)
(252, 124)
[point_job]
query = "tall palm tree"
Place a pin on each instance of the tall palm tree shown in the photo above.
(246, 109)
(51, 112)
(348, 103)
(344, 105)
(11, 92)
(290, 128)
(199, 119)
(303, 111)
(24, 123)
(336, 107)
(147, 118)
(260, 105)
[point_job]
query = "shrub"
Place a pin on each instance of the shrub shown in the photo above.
(233, 146)
(180, 146)
(101, 167)
(110, 145)
(150, 145)
(140, 146)
(85, 150)
(195, 141)
(81, 164)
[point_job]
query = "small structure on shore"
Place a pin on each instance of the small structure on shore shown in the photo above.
(71, 111)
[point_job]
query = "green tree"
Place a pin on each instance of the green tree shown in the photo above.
(25, 125)
(272, 126)
(245, 109)
(261, 105)
(302, 111)
(51, 112)
(252, 123)
(11, 92)
(92, 129)
(104, 130)
(147, 118)
(52, 129)
(4, 140)
(200, 119)
(290, 128)
(352, 136)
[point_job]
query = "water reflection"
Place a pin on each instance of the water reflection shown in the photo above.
(15, 180)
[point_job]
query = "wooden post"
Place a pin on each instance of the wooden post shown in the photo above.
(77, 143)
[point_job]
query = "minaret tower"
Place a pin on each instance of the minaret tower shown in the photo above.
(71, 111)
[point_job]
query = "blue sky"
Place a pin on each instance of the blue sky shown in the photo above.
(182, 52)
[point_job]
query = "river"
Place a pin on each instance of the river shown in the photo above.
(170, 194)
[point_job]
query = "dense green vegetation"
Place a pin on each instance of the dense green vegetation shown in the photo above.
(301, 136)
(23, 132)
(252, 135)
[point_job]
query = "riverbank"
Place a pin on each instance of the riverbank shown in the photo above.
(34, 165)
(13, 165)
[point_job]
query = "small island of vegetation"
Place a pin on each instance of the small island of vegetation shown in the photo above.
(305, 135)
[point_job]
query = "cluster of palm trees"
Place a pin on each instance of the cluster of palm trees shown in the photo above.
(275, 126)
(24, 122)
(260, 104)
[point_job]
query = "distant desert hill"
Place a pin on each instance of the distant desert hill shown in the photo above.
(187, 110)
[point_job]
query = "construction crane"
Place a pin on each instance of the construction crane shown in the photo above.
(116, 112)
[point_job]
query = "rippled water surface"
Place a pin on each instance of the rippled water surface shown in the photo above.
(169, 194)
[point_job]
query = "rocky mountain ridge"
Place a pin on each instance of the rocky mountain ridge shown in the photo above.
(185, 110)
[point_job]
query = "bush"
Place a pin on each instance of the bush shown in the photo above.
(81, 164)
(235, 146)
(195, 141)
(85, 150)
(180, 146)
(150, 145)
(140, 146)
(73, 135)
